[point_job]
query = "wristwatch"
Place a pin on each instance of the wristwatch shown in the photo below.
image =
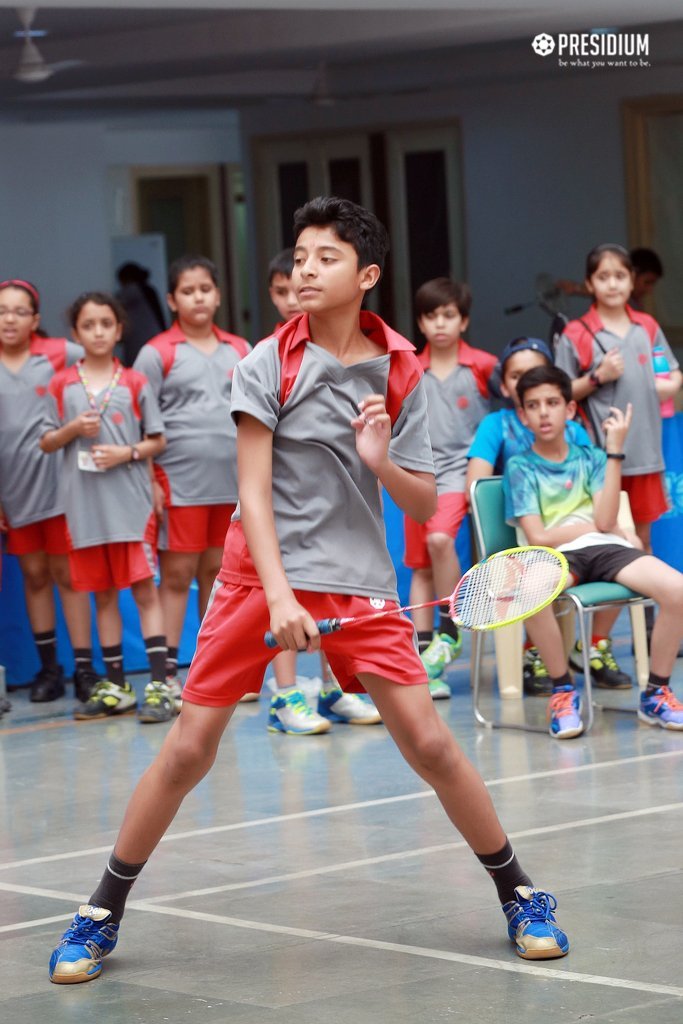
(134, 454)
(594, 379)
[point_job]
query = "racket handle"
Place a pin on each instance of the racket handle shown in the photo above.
(325, 626)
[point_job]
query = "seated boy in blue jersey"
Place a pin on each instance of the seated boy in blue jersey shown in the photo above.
(566, 496)
(314, 407)
(456, 382)
(502, 434)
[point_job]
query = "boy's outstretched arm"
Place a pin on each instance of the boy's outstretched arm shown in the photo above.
(293, 626)
(606, 501)
(413, 492)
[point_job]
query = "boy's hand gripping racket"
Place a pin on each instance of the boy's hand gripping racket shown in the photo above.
(506, 587)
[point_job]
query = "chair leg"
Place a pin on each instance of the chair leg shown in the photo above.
(490, 723)
(566, 620)
(586, 635)
(640, 652)
(475, 670)
(509, 654)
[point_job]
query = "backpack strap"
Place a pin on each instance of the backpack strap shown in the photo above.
(647, 322)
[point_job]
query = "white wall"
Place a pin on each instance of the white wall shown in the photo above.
(543, 163)
(56, 214)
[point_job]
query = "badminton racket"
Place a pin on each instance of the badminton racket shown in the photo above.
(506, 587)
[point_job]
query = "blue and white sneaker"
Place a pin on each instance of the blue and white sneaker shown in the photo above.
(79, 955)
(337, 706)
(662, 708)
(532, 926)
(290, 713)
(564, 711)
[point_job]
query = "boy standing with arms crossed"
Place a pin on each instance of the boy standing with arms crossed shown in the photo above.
(456, 383)
(314, 408)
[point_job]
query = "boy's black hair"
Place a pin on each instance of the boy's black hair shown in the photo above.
(614, 249)
(283, 264)
(100, 299)
(441, 291)
(646, 261)
(539, 375)
(352, 223)
(190, 262)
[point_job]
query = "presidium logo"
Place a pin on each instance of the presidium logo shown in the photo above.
(599, 48)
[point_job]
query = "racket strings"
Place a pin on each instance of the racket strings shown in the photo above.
(505, 588)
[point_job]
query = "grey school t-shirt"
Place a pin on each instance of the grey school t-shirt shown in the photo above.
(193, 390)
(29, 478)
(112, 506)
(456, 406)
(643, 445)
(326, 502)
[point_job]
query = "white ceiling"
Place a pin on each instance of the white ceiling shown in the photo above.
(158, 54)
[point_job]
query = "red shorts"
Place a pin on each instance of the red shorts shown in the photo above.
(451, 509)
(48, 535)
(193, 528)
(117, 565)
(647, 496)
(231, 656)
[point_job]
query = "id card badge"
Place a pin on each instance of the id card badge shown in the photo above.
(86, 463)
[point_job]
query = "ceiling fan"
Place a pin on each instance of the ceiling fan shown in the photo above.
(32, 67)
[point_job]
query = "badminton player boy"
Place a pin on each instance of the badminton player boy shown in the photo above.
(326, 408)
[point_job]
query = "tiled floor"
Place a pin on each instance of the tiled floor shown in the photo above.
(314, 880)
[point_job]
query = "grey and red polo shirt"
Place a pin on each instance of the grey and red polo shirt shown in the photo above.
(113, 506)
(582, 348)
(29, 478)
(199, 464)
(326, 502)
(456, 406)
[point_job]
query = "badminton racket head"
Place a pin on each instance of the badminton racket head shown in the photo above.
(508, 587)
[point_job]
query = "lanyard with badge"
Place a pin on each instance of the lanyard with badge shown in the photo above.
(85, 459)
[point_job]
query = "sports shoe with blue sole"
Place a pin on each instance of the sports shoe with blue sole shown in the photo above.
(532, 925)
(291, 714)
(79, 955)
(347, 708)
(661, 708)
(564, 711)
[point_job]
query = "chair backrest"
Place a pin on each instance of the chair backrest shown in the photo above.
(491, 532)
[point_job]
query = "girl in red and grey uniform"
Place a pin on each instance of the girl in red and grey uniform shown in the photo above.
(190, 370)
(610, 354)
(31, 511)
(106, 418)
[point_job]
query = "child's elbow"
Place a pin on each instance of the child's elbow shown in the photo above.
(427, 506)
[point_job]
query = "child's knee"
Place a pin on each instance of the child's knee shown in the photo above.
(177, 576)
(433, 751)
(672, 598)
(145, 593)
(187, 761)
(439, 545)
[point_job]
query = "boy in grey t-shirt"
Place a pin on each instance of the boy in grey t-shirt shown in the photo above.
(325, 409)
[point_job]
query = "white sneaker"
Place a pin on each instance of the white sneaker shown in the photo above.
(290, 713)
(174, 688)
(337, 706)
